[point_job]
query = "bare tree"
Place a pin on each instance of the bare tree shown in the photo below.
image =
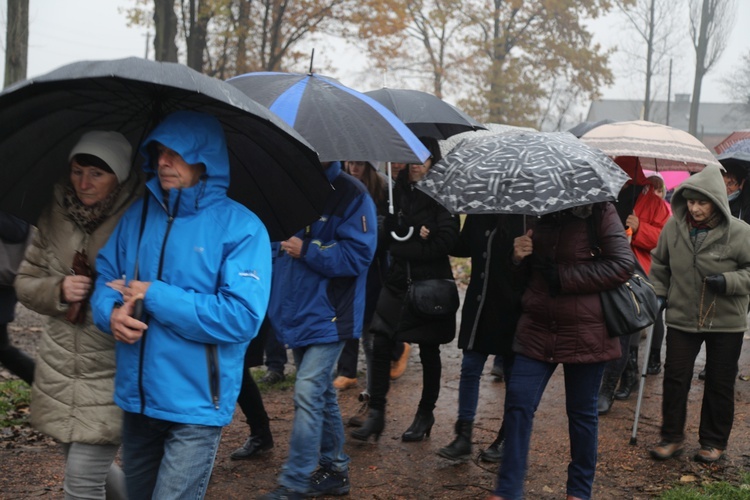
(654, 23)
(16, 41)
(165, 27)
(737, 84)
(711, 21)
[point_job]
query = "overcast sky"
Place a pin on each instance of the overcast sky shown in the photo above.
(65, 31)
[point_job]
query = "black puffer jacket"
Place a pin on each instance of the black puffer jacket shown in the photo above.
(491, 306)
(427, 259)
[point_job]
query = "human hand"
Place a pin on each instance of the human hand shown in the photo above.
(75, 288)
(716, 283)
(118, 285)
(124, 327)
(522, 247)
(632, 222)
(424, 233)
(293, 247)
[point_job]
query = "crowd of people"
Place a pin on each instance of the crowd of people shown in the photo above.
(160, 293)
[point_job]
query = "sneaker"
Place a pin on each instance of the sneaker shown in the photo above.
(665, 450)
(282, 493)
(708, 454)
(272, 377)
(399, 367)
(326, 482)
(359, 418)
(254, 446)
(342, 383)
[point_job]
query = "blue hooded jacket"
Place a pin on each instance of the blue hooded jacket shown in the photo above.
(208, 259)
(319, 298)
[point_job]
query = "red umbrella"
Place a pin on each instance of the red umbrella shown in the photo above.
(735, 136)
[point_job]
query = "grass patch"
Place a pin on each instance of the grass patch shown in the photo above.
(15, 396)
(284, 385)
(714, 490)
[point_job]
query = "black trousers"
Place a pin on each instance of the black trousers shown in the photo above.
(14, 359)
(429, 355)
(251, 402)
(717, 412)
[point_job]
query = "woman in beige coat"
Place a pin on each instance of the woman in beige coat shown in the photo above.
(74, 379)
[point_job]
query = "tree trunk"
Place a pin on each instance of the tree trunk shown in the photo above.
(17, 41)
(649, 62)
(165, 24)
(196, 38)
(700, 68)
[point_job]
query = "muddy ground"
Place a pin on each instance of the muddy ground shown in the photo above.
(31, 465)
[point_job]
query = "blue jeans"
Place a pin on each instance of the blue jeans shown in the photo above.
(318, 431)
(524, 391)
(472, 365)
(167, 460)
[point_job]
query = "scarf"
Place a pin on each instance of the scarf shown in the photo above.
(88, 218)
(699, 230)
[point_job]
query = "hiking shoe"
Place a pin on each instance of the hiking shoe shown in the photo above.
(708, 454)
(272, 377)
(342, 383)
(254, 446)
(326, 482)
(665, 450)
(282, 493)
(399, 367)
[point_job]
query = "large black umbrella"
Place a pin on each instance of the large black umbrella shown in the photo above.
(274, 171)
(425, 114)
(525, 173)
(340, 123)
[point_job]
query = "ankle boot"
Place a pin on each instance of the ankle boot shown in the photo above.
(629, 379)
(420, 427)
(607, 392)
(654, 363)
(494, 452)
(460, 448)
(373, 426)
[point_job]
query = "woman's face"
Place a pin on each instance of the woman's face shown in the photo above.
(396, 168)
(91, 184)
(701, 210)
(418, 170)
(356, 168)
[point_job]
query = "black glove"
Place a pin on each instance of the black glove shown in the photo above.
(548, 270)
(716, 283)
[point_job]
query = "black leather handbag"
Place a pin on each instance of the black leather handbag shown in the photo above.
(431, 298)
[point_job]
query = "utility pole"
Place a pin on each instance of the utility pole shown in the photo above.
(669, 90)
(148, 42)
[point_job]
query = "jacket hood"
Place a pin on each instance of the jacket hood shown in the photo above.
(708, 182)
(198, 138)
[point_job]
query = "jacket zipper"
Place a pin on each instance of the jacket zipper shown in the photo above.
(213, 373)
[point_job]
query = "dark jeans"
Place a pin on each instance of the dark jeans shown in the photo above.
(275, 353)
(14, 359)
(251, 403)
(658, 336)
(524, 391)
(717, 412)
(429, 355)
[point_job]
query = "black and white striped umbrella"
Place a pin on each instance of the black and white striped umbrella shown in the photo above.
(526, 173)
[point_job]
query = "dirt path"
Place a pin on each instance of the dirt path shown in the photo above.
(31, 466)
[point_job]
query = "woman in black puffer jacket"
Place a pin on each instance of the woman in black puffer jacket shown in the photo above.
(422, 256)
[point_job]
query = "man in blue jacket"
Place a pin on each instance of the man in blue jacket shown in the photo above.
(201, 263)
(318, 304)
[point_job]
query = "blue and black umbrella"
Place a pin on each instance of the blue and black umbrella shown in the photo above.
(273, 170)
(339, 122)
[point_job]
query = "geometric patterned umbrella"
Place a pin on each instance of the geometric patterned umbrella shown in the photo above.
(739, 150)
(525, 173)
(732, 138)
(447, 145)
(658, 147)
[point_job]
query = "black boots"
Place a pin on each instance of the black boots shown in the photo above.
(373, 426)
(460, 448)
(254, 446)
(630, 377)
(421, 427)
(654, 362)
(494, 452)
(607, 392)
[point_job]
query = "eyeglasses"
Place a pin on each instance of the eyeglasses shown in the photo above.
(730, 183)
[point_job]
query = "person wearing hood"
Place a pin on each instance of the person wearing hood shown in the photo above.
(317, 305)
(735, 180)
(701, 271)
(71, 397)
(200, 264)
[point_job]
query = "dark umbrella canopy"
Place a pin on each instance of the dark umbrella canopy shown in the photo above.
(525, 173)
(584, 127)
(273, 170)
(425, 114)
(340, 123)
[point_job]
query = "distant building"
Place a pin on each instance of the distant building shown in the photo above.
(715, 120)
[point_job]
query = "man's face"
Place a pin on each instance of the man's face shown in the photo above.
(396, 168)
(732, 183)
(701, 210)
(173, 171)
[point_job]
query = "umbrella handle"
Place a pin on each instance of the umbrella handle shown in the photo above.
(403, 238)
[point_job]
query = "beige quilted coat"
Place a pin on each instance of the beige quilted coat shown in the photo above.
(71, 399)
